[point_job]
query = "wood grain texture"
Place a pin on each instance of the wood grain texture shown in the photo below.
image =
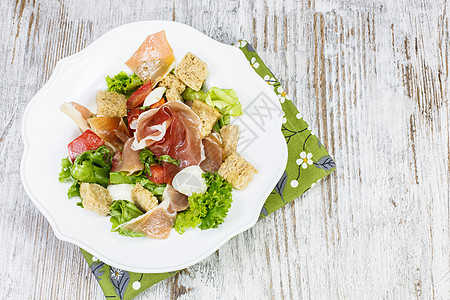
(370, 77)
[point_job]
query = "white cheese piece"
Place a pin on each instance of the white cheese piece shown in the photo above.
(154, 96)
(189, 181)
(121, 191)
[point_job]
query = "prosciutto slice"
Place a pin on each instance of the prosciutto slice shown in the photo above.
(213, 154)
(78, 113)
(129, 160)
(111, 129)
(153, 59)
(172, 129)
(178, 201)
(158, 222)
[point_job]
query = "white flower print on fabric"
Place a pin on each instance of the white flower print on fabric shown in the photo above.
(281, 94)
(240, 44)
(253, 63)
(305, 159)
(116, 273)
(312, 133)
(270, 80)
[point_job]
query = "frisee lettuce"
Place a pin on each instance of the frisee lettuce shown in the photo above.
(157, 189)
(206, 210)
(123, 83)
(123, 211)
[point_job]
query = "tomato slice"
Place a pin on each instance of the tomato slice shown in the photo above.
(138, 97)
(158, 104)
(157, 174)
(86, 141)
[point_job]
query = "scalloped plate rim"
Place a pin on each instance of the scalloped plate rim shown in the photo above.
(65, 237)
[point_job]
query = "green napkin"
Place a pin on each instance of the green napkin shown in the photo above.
(308, 162)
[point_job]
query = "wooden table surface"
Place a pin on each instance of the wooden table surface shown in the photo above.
(371, 78)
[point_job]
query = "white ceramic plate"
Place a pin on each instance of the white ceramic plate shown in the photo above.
(46, 132)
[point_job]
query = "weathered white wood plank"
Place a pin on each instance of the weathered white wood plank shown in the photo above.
(371, 79)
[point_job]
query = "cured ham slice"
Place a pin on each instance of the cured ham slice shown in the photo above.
(158, 222)
(153, 60)
(116, 161)
(132, 119)
(78, 113)
(84, 111)
(213, 154)
(130, 159)
(172, 129)
(178, 201)
(111, 129)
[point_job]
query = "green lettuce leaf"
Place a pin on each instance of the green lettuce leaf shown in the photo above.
(124, 84)
(206, 210)
(66, 165)
(123, 211)
(225, 100)
(224, 120)
(157, 189)
(148, 159)
(191, 95)
(168, 159)
(92, 166)
(74, 189)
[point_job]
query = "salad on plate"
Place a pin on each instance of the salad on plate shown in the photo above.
(159, 153)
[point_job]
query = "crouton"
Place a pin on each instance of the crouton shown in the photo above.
(172, 82)
(237, 171)
(96, 198)
(143, 198)
(192, 71)
(173, 95)
(230, 138)
(208, 116)
(111, 104)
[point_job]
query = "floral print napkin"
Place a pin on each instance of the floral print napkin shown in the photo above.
(308, 162)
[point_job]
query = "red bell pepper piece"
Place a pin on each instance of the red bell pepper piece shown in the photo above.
(86, 141)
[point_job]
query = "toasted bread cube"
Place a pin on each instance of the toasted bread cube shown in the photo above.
(208, 116)
(111, 104)
(230, 138)
(96, 198)
(173, 82)
(237, 171)
(173, 95)
(143, 198)
(192, 71)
